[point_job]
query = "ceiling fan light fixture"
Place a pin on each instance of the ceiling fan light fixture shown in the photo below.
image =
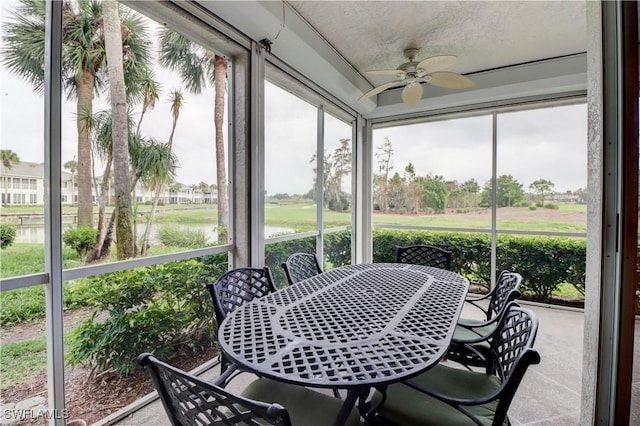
(412, 93)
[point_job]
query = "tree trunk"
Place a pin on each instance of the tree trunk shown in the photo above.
(84, 108)
(98, 245)
(220, 75)
(120, 131)
(147, 230)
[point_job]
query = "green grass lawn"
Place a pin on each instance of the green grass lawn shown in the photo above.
(21, 360)
(301, 216)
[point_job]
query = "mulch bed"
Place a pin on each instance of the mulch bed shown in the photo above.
(93, 398)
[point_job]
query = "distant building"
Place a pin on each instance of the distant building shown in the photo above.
(25, 185)
(563, 198)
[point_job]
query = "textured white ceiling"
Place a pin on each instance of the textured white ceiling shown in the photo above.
(510, 49)
(483, 34)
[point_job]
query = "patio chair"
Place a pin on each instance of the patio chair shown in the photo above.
(425, 256)
(446, 395)
(470, 345)
(300, 266)
(235, 288)
(188, 400)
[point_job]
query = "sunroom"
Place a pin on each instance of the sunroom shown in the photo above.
(304, 150)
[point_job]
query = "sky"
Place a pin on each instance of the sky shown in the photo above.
(545, 143)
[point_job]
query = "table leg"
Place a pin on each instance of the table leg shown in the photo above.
(350, 401)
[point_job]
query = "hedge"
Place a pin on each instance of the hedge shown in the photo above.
(337, 252)
(544, 262)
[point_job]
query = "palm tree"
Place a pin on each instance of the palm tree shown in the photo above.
(72, 166)
(160, 169)
(120, 133)
(101, 126)
(165, 169)
(197, 68)
(83, 65)
(150, 94)
(9, 158)
(177, 101)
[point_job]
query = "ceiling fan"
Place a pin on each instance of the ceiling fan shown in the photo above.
(412, 74)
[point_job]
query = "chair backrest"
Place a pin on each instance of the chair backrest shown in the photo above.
(425, 256)
(188, 400)
(505, 291)
(233, 289)
(238, 286)
(512, 353)
(300, 266)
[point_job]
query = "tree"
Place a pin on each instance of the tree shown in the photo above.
(397, 193)
(199, 67)
(470, 189)
(160, 169)
(164, 170)
(434, 192)
(508, 192)
(72, 166)
(336, 166)
(150, 94)
(384, 154)
(542, 188)
(120, 132)
(83, 66)
(413, 200)
(9, 158)
(102, 140)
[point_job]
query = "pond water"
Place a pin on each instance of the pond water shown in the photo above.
(35, 234)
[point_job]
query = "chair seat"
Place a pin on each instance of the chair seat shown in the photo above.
(305, 406)
(407, 406)
(464, 333)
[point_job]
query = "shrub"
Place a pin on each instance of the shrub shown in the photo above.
(533, 207)
(178, 236)
(524, 204)
(7, 235)
(276, 253)
(551, 206)
(163, 309)
(539, 204)
(80, 239)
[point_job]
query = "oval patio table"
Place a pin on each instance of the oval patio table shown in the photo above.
(353, 327)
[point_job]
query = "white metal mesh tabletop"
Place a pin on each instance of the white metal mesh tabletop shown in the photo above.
(354, 326)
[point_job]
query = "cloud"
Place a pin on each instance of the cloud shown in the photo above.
(549, 143)
(545, 143)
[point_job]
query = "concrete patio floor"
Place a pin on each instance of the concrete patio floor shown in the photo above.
(548, 395)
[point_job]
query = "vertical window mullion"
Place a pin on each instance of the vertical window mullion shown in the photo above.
(494, 196)
(320, 186)
(53, 232)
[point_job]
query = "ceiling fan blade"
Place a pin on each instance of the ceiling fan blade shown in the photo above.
(450, 80)
(437, 63)
(399, 73)
(412, 93)
(378, 89)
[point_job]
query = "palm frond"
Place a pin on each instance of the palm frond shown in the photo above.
(184, 57)
(24, 35)
(156, 163)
